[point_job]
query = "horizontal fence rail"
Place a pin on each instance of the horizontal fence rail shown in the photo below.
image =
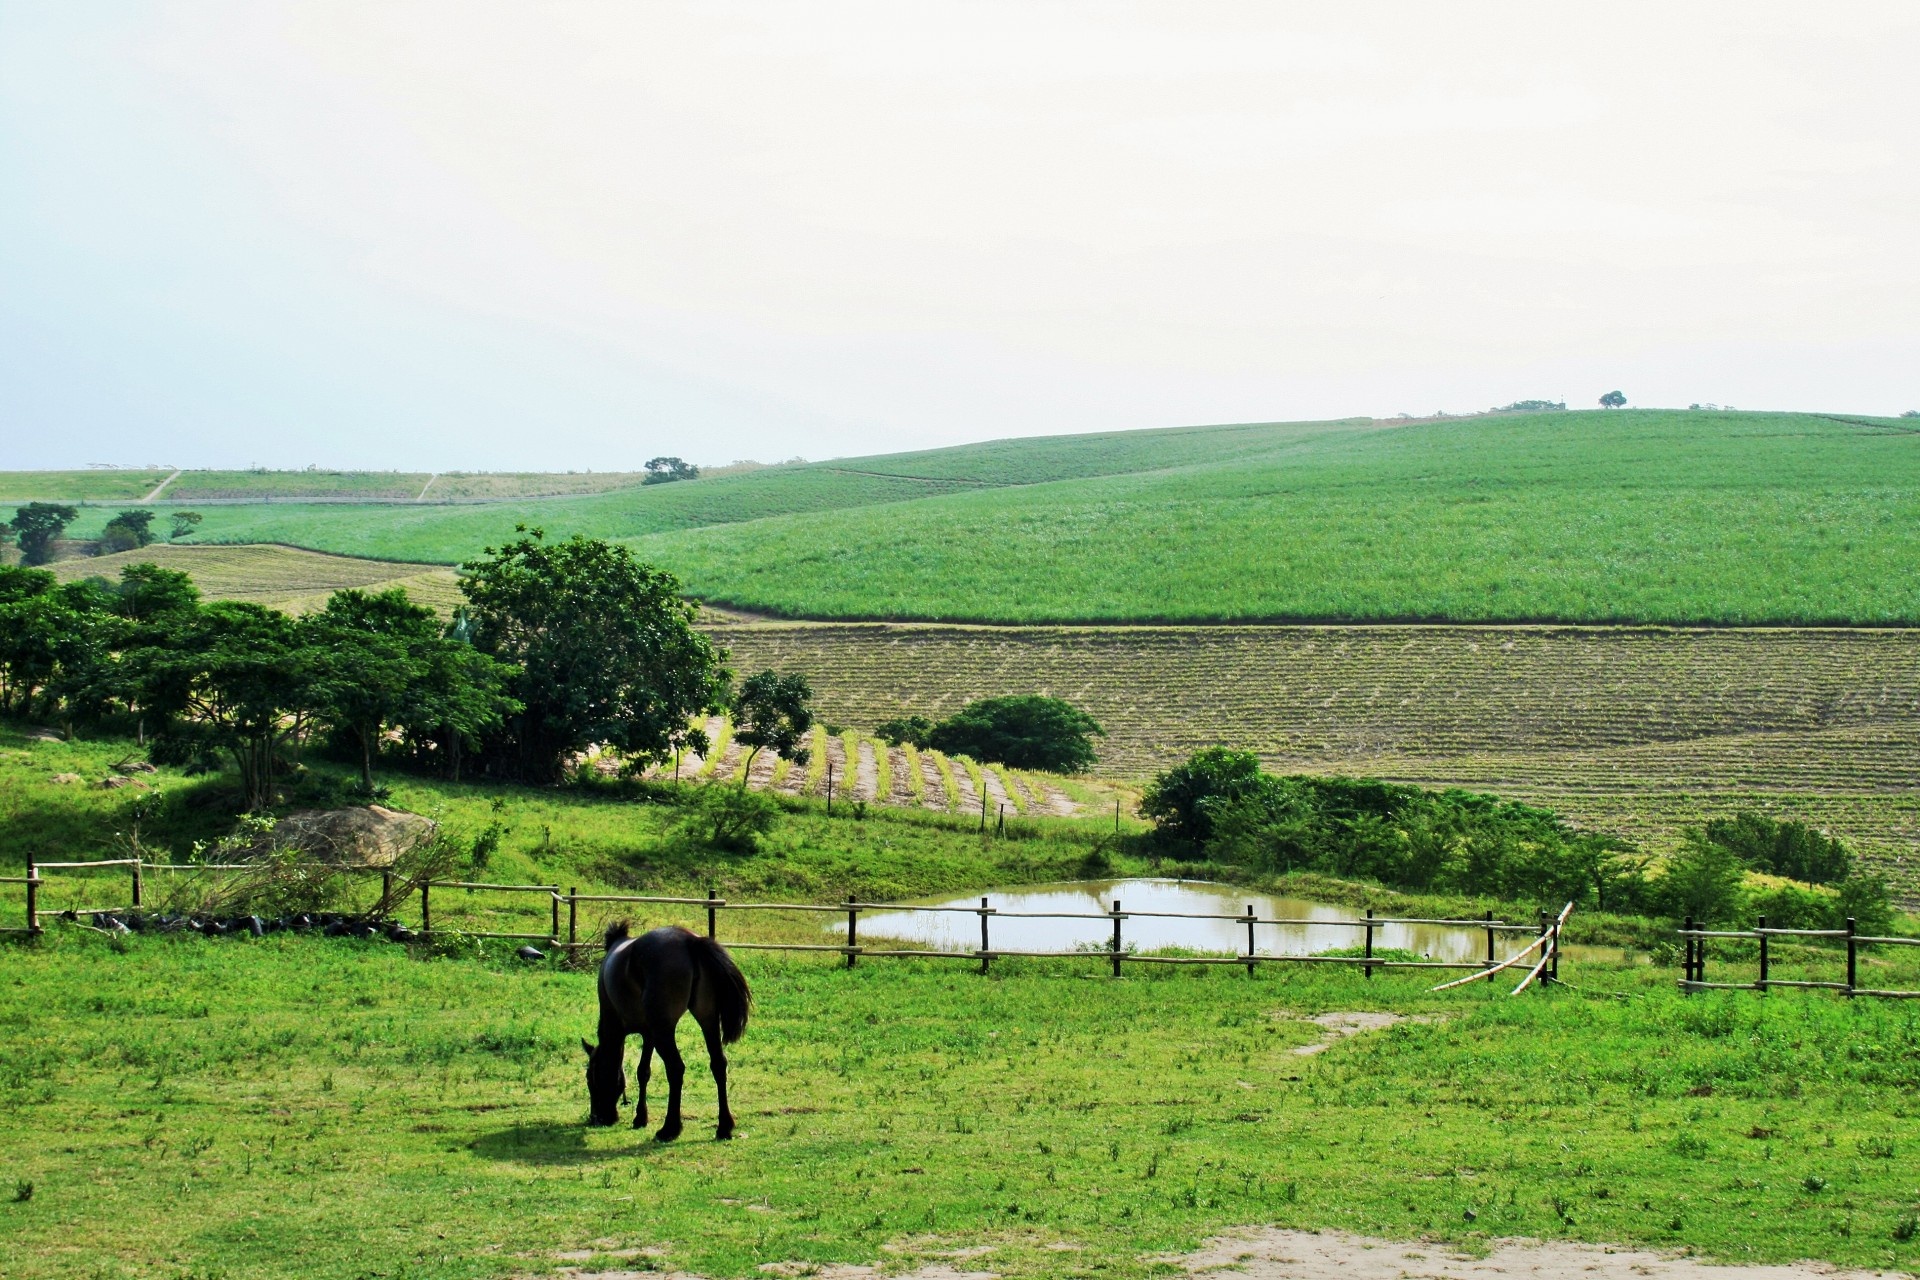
(1694, 959)
(1546, 931)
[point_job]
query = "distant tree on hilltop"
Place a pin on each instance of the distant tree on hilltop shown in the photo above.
(1613, 399)
(665, 470)
(126, 532)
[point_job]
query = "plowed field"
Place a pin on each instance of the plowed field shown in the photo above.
(1634, 730)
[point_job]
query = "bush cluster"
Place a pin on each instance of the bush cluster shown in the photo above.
(1220, 805)
(1025, 732)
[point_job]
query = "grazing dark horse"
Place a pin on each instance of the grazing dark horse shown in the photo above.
(646, 984)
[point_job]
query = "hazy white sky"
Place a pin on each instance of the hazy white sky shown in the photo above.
(555, 235)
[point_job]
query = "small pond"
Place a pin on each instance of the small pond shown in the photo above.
(946, 931)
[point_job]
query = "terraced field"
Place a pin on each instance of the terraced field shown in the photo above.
(1634, 730)
(860, 768)
(283, 578)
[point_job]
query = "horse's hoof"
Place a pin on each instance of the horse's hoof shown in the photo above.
(667, 1133)
(639, 1122)
(724, 1135)
(595, 1122)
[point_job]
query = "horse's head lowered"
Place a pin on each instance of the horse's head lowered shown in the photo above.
(606, 1085)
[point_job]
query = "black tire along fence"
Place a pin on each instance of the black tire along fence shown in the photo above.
(1545, 930)
(1694, 960)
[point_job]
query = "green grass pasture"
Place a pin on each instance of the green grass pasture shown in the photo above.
(333, 1109)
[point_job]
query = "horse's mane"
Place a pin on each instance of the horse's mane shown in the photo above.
(618, 931)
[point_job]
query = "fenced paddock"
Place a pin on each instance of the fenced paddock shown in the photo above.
(560, 912)
(1694, 959)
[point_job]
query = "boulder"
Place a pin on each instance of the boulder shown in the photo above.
(373, 836)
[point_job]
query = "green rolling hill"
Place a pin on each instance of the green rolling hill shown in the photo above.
(1636, 515)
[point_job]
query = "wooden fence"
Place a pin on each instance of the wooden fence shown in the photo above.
(1694, 961)
(1546, 930)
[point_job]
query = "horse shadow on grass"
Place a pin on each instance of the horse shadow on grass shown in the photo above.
(560, 1143)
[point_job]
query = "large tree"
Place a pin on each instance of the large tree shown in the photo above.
(128, 531)
(606, 650)
(37, 524)
(230, 678)
(379, 661)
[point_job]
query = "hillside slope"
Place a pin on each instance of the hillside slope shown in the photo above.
(1589, 517)
(1634, 516)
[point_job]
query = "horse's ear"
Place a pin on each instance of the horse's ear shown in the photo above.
(587, 1047)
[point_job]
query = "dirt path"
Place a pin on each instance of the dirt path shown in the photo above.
(1303, 1255)
(837, 768)
(902, 793)
(1272, 1254)
(760, 775)
(1055, 803)
(933, 791)
(163, 484)
(866, 774)
(998, 800)
(962, 783)
(422, 495)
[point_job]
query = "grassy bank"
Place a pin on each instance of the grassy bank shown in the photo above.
(327, 1108)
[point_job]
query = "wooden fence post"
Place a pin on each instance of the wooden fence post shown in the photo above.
(1686, 956)
(1368, 950)
(573, 914)
(1116, 937)
(1553, 964)
(136, 883)
(1853, 958)
(33, 896)
(1249, 939)
(1489, 944)
(1762, 926)
(853, 929)
(426, 909)
(386, 890)
(829, 788)
(554, 932)
(983, 935)
(713, 923)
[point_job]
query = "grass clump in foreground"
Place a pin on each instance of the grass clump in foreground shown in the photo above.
(332, 1108)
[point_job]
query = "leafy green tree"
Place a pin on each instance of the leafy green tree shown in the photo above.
(128, 531)
(1866, 900)
(378, 661)
(1791, 849)
(732, 818)
(606, 650)
(149, 593)
(1027, 732)
(229, 680)
(41, 626)
(1702, 880)
(1181, 800)
(773, 712)
(666, 470)
(37, 525)
(1613, 400)
(184, 523)
(914, 731)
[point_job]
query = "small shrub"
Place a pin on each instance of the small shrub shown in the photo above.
(732, 818)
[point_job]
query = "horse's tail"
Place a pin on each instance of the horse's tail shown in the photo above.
(618, 931)
(731, 995)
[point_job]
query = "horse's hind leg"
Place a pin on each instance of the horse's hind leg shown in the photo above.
(641, 1077)
(717, 1059)
(676, 1071)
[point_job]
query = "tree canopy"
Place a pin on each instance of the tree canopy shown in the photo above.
(772, 711)
(37, 525)
(1025, 731)
(605, 648)
(665, 470)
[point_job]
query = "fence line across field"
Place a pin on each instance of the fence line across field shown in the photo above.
(1546, 930)
(1693, 976)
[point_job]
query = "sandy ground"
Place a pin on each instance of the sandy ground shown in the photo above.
(866, 774)
(1294, 1255)
(933, 794)
(1273, 1254)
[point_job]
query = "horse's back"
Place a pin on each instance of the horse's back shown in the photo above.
(648, 977)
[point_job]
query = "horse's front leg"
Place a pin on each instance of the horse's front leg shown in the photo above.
(641, 1077)
(676, 1071)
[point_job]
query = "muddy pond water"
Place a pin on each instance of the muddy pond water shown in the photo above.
(956, 931)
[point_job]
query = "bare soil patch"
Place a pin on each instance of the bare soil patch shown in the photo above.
(1302, 1255)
